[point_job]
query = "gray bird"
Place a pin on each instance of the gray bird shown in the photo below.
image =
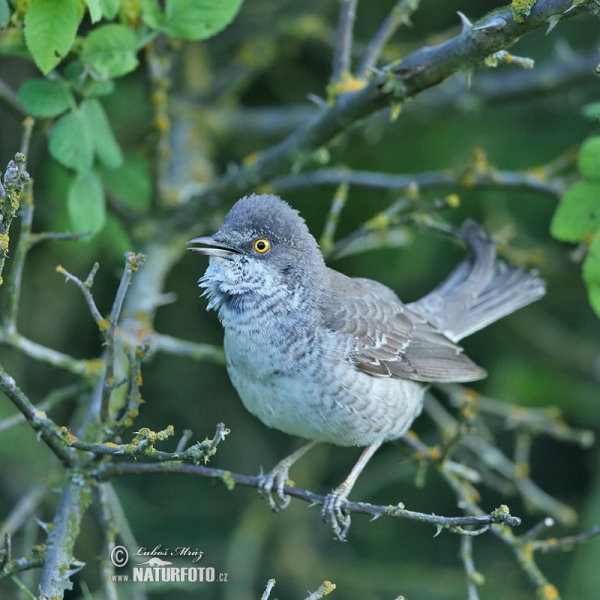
(335, 359)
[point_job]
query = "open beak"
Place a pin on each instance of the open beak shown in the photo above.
(215, 248)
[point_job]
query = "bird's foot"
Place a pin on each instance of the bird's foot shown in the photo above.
(334, 515)
(273, 483)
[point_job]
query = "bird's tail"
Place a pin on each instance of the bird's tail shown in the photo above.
(481, 290)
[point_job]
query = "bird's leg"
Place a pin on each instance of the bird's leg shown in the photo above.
(332, 507)
(275, 480)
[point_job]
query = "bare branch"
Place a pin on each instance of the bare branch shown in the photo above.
(400, 15)
(533, 180)
(419, 71)
(343, 37)
(453, 524)
(38, 420)
(60, 563)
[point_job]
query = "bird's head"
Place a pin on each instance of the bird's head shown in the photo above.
(262, 248)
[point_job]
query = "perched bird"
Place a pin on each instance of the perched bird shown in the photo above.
(335, 359)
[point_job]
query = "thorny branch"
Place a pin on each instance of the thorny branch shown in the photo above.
(419, 71)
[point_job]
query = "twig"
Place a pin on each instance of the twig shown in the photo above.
(490, 456)
(453, 524)
(143, 445)
(25, 563)
(38, 420)
(537, 420)
(23, 510)
(566, 543)
(170, 345)
(333, 218)
(86, 287)
(9, 99)
(343, 36)
(399, 15)
(377, 231)
(324, 590)
(159, 65)
(532, 180)
(89, 369)
(133, 262)
(474, 577)
(270, 584)
(53, 399)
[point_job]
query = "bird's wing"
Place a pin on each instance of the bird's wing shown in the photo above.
(388, 339)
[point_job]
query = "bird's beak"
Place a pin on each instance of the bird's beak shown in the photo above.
(216, 248)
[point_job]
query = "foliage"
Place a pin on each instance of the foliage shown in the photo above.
(577, 218)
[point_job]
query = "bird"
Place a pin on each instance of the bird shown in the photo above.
(329, 358)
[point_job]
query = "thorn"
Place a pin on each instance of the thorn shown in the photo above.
(466, 24)
(468, 75)
(375, 517)
(313, 503)
(44, 526)
(553, 21)
(376, 71)
(320, 102)
(494, 25)
(439, 530)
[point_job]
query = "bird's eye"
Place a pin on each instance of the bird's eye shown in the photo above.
(262, 245)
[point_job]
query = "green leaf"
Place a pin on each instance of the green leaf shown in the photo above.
(95, 9)
(72, 142)
(131, 184)
(106, 146)
(111, 50)
(589, 158)
(43, 98)
(85, 203)
(591, 272)
(50, 28)
(151, 14)
(110, 8)
(198, 19)
(578, 214)
(4, 13)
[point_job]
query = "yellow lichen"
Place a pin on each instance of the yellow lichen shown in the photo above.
(228, 480)
(521, 9)
(347, 83)
(249, 160)
(547, 592)
(452, 200)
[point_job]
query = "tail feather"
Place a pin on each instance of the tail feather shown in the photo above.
(481, 290)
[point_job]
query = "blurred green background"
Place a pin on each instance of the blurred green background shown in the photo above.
(264, 65)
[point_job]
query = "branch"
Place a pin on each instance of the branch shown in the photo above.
(419, 71)
(453, 524)
(532, 180)
(343, 36)
(15, 179)
(48, 430)
(400, 15)
(60, 563)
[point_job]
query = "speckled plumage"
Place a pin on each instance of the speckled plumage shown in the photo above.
(329, 358)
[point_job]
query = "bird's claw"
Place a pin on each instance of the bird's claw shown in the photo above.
(274, 482)
(334, 515)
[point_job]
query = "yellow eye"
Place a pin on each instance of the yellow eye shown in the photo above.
(262, 245)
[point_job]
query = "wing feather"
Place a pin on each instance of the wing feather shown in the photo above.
(388, 339)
